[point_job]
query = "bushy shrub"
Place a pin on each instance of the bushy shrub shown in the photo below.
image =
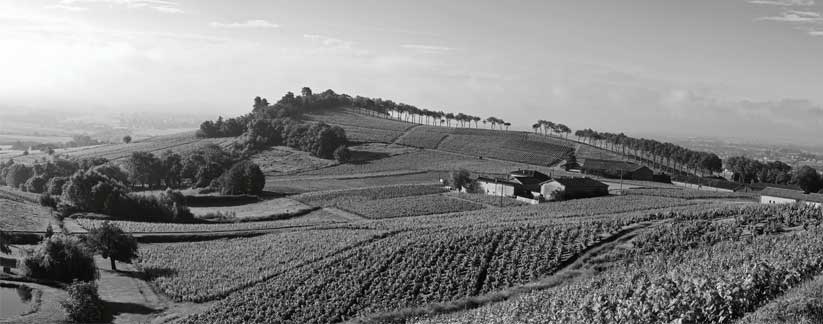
(243, 178)
(83, 304)
(47, 200)
(342, 154)
(61, 258)
(55, 185)
(36, 184)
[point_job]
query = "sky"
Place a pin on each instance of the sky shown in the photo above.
(742, 68)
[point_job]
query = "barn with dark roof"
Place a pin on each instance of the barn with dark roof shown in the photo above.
(573, 188)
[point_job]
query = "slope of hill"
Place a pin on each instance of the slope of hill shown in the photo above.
(362, 128)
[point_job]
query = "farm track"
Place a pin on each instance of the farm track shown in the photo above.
(573, 269)
(348, 216)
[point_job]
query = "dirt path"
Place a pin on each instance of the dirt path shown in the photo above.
(575, 268)
(128, 297)
(47, 311)
(347, 216)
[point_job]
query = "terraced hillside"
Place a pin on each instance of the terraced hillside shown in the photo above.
(516, 146)
(362, 128)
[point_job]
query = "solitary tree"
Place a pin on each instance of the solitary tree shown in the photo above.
(808, 179)
(127, 139)
(111, 242)
(460, 179)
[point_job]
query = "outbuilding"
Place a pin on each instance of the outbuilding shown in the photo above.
(573, 188)
(771, 195)
(497, 187)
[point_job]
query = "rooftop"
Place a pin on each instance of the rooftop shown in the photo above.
(579, 182)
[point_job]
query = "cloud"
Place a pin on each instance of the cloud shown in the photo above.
(329, 41)
(794, 16)
(787, 3)
(256, 23)
(814, 32)
(430, 49)
(67, 8)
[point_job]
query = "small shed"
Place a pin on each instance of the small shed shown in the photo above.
(771, 195)
(573, 188)
(497, 187)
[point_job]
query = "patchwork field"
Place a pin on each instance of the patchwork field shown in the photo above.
(179, 143)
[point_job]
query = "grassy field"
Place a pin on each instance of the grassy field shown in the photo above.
(314, 218)
(24, 216)
(408, 206)
(272, 209)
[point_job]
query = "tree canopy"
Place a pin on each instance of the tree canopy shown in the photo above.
(111, 242)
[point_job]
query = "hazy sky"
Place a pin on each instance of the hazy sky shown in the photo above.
(693, 67)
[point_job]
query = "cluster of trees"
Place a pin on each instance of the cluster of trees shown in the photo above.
(547, 126)
(104, 189)
(318, 139)
(662, 155)
(748, 170)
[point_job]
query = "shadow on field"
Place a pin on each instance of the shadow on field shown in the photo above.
(115, 308)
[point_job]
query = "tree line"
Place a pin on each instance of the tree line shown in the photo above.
(746, 170)
(548, 127)
(660, 154)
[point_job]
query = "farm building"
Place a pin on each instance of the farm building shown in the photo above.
(786, 196)
(616, 169)
(573, 188)
(533, 185)
(528, 181)
(497, 187)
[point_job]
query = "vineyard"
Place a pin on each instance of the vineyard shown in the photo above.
(409, 269)
(424, 136)
(337, 197)
(426, 160)
(497, 201)
(510, 148)
(690, 194)
(203, 271)
(692, 271)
